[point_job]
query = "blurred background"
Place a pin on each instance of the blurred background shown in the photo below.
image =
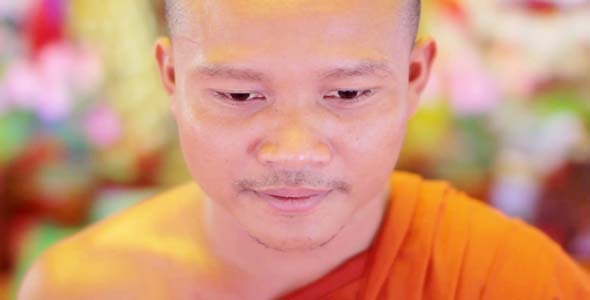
(85, 129)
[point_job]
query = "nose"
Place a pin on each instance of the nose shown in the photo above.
(294, 145)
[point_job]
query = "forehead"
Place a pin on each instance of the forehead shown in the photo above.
(237, 29)
(283, 8)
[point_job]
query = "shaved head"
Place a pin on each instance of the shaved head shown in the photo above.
(410, 13)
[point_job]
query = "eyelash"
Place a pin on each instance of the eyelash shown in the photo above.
(228, 96)
(361, 94)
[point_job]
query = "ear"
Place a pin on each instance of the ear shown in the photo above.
(165, 62)
(421, 60)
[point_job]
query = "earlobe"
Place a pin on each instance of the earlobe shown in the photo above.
(163, 53)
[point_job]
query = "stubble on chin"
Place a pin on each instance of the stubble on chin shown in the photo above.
(305, 245)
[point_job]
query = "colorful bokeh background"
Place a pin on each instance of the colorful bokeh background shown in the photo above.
(85, 129)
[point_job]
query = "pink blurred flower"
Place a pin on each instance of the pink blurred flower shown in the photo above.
(473, 89)
(21, 86)
(69, 72)
(102, 126)
(54, 64)
(3, 99)
(86, 73)
(51, 84)
(55, 102)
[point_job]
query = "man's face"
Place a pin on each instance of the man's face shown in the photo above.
(291, 114)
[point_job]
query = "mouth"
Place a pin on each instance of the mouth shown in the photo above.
(293, 200)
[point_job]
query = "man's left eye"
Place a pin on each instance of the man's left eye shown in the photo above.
(348, 94)
(240, 96)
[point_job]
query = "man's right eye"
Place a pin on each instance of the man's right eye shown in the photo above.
(240, 96)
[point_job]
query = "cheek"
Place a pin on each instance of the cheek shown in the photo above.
(210, 152)
(375, 151)
(375, 137)
(371, 148)
(205, 135)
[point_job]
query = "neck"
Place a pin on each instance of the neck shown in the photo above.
(259, 271)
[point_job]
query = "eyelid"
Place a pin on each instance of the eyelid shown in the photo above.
(225, 95)
(351, 89)
(238, 92)
(363, 92)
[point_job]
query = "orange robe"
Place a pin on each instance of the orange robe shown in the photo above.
(437, 243)
(434, 243)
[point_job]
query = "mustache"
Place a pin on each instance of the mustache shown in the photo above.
(292, 179)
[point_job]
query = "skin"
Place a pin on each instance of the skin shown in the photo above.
(291, 60)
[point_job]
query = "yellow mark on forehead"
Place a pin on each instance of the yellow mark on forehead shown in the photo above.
(354, 52)
(269, 7)
(254, 8)
(228, 54)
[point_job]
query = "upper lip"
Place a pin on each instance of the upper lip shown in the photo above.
(286, 192)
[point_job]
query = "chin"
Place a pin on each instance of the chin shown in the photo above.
(293, 242)
(293, 233)
(291, 245)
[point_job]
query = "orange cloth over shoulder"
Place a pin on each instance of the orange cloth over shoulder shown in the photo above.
(437, 243)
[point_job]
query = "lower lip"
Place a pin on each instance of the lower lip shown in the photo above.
(294, 205)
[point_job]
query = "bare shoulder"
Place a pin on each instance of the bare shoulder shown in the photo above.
(148, 251)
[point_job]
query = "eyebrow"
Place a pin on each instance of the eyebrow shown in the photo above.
(222, 71)
(363, 68)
